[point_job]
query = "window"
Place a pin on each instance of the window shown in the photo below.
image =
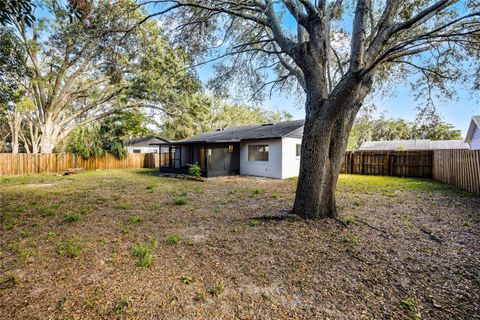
(258, 153)
(230, 148)
(136, 150)
(298, 150)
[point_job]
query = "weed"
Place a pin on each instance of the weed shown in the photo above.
(152, 186)
(47, 212)
(71, 248)
(26, 253)
(180, 201)
(25, 233)
(405, 219)
(467, 223)
(144, 254)
(201, 296)
(236, 229)
(350, 238)
(411, 305)
(253, 222)
(199, 190)
(125, 206)
(187, 279)
(51, 234)
(257, 191)
(275, 196)
(135, 219)
(120, 306)
(357, 203)
(174, 239)
(217, 289)
(349, 220)
(71, 217)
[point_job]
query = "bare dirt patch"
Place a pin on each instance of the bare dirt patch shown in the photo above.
(115, 244)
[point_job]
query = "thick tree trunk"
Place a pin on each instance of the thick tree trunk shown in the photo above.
(46, 144)
(15, 144)
(327, 127)
(47, 138)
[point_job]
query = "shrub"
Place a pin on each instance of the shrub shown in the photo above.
(194, 170)
(180, 201)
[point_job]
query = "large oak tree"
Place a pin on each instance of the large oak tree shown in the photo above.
(381, 40)
(85, 62)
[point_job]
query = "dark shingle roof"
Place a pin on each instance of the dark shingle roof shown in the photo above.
(293, 129)
(145, 141)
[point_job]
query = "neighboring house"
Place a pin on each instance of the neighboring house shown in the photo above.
(144, 144)
(266, 150)
(473, 134)
(407, 145)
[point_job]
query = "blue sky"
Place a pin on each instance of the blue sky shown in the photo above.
(399, 104)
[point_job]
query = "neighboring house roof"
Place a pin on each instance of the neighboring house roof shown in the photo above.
(474, 124)
(145, 141)
(292, 129)
(413, 145)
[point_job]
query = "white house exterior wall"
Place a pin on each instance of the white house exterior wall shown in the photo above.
(143, 149)
(475, 144)
(271, 168)
(290, 161)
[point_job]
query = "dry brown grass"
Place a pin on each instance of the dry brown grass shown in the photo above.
(411, 249)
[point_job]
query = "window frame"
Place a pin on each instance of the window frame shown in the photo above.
(266, 148)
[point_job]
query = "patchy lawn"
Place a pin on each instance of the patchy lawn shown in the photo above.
(132, 245)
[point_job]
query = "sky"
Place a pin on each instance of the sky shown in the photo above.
(399, 104)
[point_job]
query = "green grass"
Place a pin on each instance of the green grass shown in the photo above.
(187, 279)
(120, 306)
(71, 217)
(388, 185)
(135, 219)
(180, 201)
(71, 248)
(174, 239)
(144, 254)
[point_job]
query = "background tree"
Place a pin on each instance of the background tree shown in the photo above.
(81, 70)
(15, 10)
(109, 135)
(206, 113)
(386, 38)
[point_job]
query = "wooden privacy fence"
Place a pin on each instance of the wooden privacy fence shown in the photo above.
(23, 163)
(389, 163)
(460, 168)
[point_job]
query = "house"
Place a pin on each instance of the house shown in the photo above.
(407, 145)
(265, 150)
(144, 144)
(473, 133)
